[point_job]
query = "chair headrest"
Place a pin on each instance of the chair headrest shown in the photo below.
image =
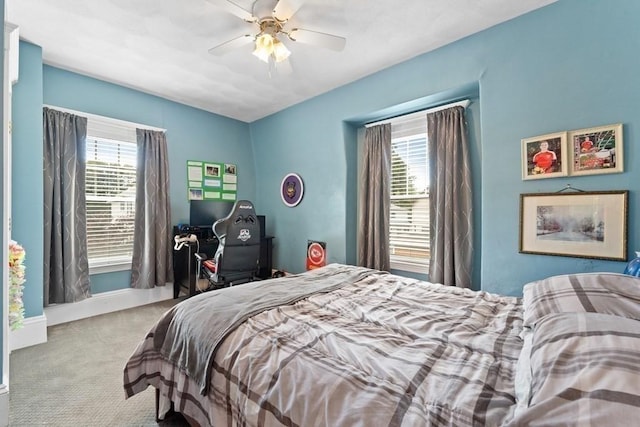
(242, 214)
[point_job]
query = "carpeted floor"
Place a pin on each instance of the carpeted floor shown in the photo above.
(75, 379)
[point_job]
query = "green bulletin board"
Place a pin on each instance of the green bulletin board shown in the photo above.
(211, 180)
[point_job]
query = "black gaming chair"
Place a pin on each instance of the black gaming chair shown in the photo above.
(238, 253)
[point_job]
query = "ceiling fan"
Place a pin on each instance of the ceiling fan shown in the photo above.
(270, 18)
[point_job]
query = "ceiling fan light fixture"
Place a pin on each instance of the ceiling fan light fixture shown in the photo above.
(272, 18)
(264, 46)
(280, 51)
(269, 46)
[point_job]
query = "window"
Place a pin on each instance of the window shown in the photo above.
(409, 215)
(110, 194)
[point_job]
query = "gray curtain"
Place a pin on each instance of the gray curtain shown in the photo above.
(374, 194)
(451, 217)
(66, 263)
(152, 256)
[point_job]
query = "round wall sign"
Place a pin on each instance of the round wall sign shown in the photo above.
(291, 189)
(315, 255)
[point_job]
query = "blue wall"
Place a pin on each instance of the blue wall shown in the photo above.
(191, 134)
(567, 66)
(27, 208)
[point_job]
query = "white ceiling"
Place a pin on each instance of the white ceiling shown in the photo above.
(161, 46)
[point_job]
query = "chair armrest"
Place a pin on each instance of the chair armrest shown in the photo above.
(200, 256)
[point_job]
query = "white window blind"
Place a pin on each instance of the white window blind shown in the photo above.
(110, 193)
(409, 219)
(115, 130)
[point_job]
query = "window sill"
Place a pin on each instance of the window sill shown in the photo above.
(109, 268)
(410, 267)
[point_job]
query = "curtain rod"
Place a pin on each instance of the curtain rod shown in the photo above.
(464, 104)
(99, 117)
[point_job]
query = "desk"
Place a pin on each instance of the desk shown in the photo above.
(185, 271)
(184, 265)
(266, 257)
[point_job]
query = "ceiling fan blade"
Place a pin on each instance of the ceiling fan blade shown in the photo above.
(316, 38)
(232, 44)
(234, 9)
(285, 9)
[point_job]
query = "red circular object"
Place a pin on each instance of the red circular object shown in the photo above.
(315, 253)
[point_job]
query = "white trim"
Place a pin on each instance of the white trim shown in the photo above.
(97, 268)
(116, 122)
(106, 302)
(12, 32)
(410, 267)
(5, 195)
(463, 104)
(4, 405)
(33, 332)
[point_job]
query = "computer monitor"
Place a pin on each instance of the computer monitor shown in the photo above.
(203, 213)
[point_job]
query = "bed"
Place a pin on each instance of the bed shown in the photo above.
(350, 346)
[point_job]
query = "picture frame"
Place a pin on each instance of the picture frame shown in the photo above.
(596, 150)
(581, 225)
(544, 156)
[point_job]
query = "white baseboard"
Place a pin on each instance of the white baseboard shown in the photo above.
(4, 405)
(33, 332)
(106, 302)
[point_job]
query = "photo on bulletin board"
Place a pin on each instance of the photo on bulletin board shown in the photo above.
(316, 254)
(211, 180)
(212, 170)
(196, 194)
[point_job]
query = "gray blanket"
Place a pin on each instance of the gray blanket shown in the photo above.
(208, 318)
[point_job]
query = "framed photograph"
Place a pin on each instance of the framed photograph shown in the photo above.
(596, 150)
(582, 225)
(544, 156)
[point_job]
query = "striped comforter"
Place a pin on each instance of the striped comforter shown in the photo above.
(583, 360)
(381, 351)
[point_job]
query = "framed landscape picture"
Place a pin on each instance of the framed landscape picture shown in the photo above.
(596, 150)
(544, 156)
(583, 225)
